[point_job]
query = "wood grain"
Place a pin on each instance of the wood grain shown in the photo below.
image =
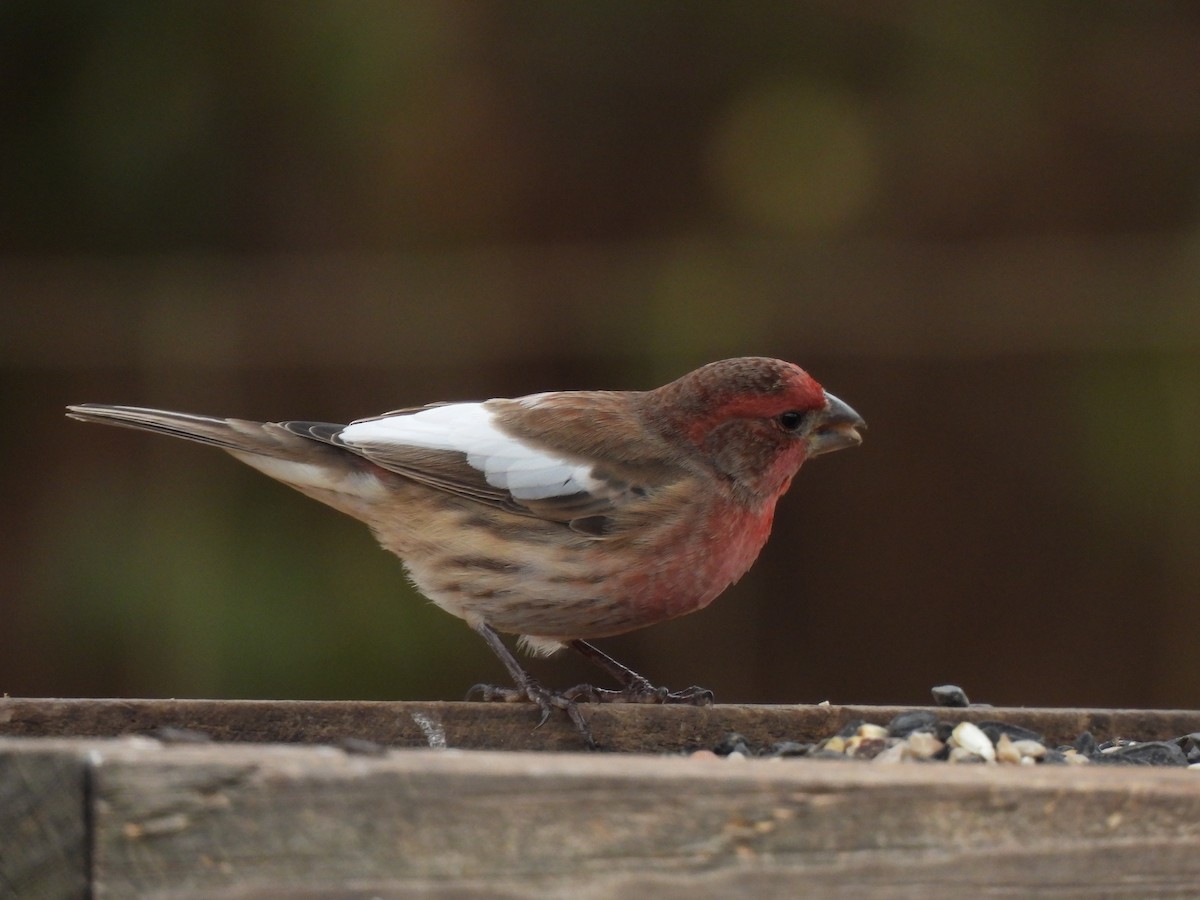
(192, 821)
(306, 800)
(480, 726)
(43, 819)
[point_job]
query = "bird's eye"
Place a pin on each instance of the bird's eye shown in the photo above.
(790, 420)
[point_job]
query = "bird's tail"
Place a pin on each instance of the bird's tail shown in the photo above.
(237, 435)
(300, 454)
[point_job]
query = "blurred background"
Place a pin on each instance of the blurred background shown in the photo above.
(977, 223)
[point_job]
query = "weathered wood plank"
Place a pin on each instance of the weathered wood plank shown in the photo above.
(190, 821)
(652, 729)
(43, 851)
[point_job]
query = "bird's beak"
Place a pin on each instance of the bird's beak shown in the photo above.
(834, 428)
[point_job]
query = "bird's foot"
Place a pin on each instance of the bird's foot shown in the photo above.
(546, 700)
(635, 688)
(640, 690)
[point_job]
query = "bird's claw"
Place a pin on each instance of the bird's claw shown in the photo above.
(546, 701)
(693, 696)
(640, 691)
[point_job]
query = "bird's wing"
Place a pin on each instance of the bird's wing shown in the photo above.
(460, 448)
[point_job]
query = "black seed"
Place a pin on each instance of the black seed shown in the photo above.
(1190, 745)
(949, 695)
(731, 743)
(1148, 753)
(906, 723)
(1085, 745)
(1015, 732)
(851, 728)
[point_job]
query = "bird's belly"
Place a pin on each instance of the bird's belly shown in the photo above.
(546, 583)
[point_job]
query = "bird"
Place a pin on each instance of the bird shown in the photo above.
(559, 517)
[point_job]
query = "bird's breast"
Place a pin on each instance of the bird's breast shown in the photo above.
(704, 557)
(528, 576)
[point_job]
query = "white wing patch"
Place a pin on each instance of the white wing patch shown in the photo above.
(469, 428)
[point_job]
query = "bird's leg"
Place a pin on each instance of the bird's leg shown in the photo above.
(527, 688)
(634, 687)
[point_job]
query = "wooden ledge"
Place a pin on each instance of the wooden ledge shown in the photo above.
(135, 817)
(275, 806)
(480, 726)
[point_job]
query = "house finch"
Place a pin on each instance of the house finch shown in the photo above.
(563, 516)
